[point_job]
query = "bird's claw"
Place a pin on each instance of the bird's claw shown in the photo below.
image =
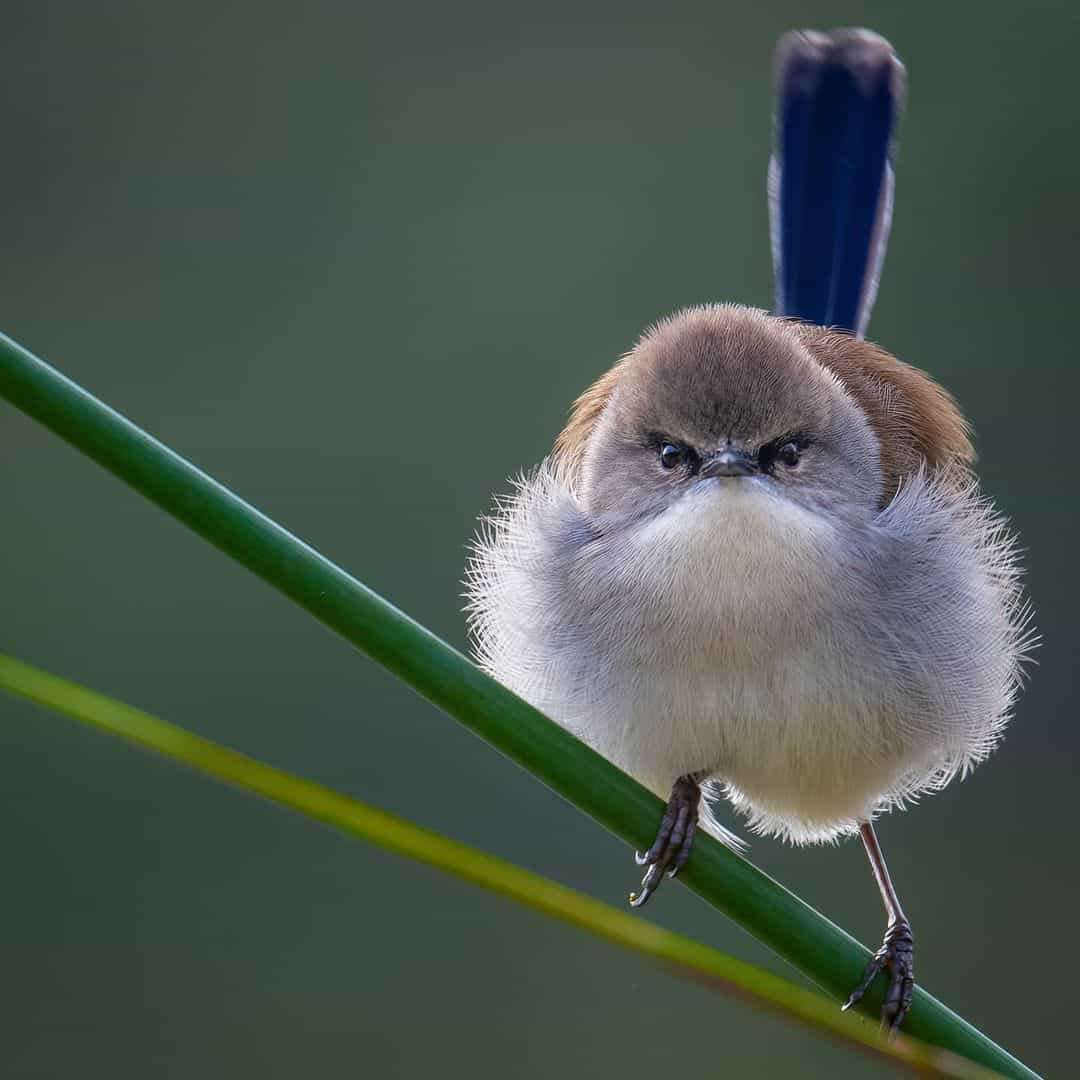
(896, 954)
(674, 840)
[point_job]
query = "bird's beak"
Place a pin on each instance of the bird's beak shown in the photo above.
(729, 462)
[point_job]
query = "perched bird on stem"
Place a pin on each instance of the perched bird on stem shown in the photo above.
(757, 564)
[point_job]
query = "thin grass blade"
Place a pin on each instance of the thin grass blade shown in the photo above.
(683, 955)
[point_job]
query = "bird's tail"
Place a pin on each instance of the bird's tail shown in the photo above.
(839, 96)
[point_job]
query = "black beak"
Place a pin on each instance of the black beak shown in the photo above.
(729, 462)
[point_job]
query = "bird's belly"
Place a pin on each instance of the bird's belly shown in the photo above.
(793, 741)
(734, 656)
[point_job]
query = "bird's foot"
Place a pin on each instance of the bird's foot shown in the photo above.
(671, 848)
(895, 954)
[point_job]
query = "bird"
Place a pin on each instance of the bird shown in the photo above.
(757, 564)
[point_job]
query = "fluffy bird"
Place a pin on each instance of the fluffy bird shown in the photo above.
(757, 563)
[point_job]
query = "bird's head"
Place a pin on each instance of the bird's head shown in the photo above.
(723, 403)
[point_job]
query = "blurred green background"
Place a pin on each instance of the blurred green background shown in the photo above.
(356, 260)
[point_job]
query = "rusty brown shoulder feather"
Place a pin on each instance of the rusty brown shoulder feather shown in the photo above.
(917, 422)
(584, 413)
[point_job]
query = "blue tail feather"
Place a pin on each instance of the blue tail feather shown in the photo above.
(830, 179)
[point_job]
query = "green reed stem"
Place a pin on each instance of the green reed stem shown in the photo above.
(794, 930)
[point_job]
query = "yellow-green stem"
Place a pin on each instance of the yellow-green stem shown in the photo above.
(685, 956)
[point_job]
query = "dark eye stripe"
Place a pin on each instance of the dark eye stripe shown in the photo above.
(774, 450)
(675, 455)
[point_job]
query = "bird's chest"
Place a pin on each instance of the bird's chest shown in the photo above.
(726, 648)
(746, 586)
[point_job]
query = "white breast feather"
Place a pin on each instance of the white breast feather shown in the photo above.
(726, 637)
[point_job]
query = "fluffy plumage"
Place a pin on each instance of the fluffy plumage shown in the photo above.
(823, 644)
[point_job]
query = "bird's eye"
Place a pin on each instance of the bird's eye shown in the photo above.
(676, 455)
(789, 454)
(785, 451)
(671, 455)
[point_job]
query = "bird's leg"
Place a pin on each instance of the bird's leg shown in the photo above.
(897, 948)
(671, 848)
